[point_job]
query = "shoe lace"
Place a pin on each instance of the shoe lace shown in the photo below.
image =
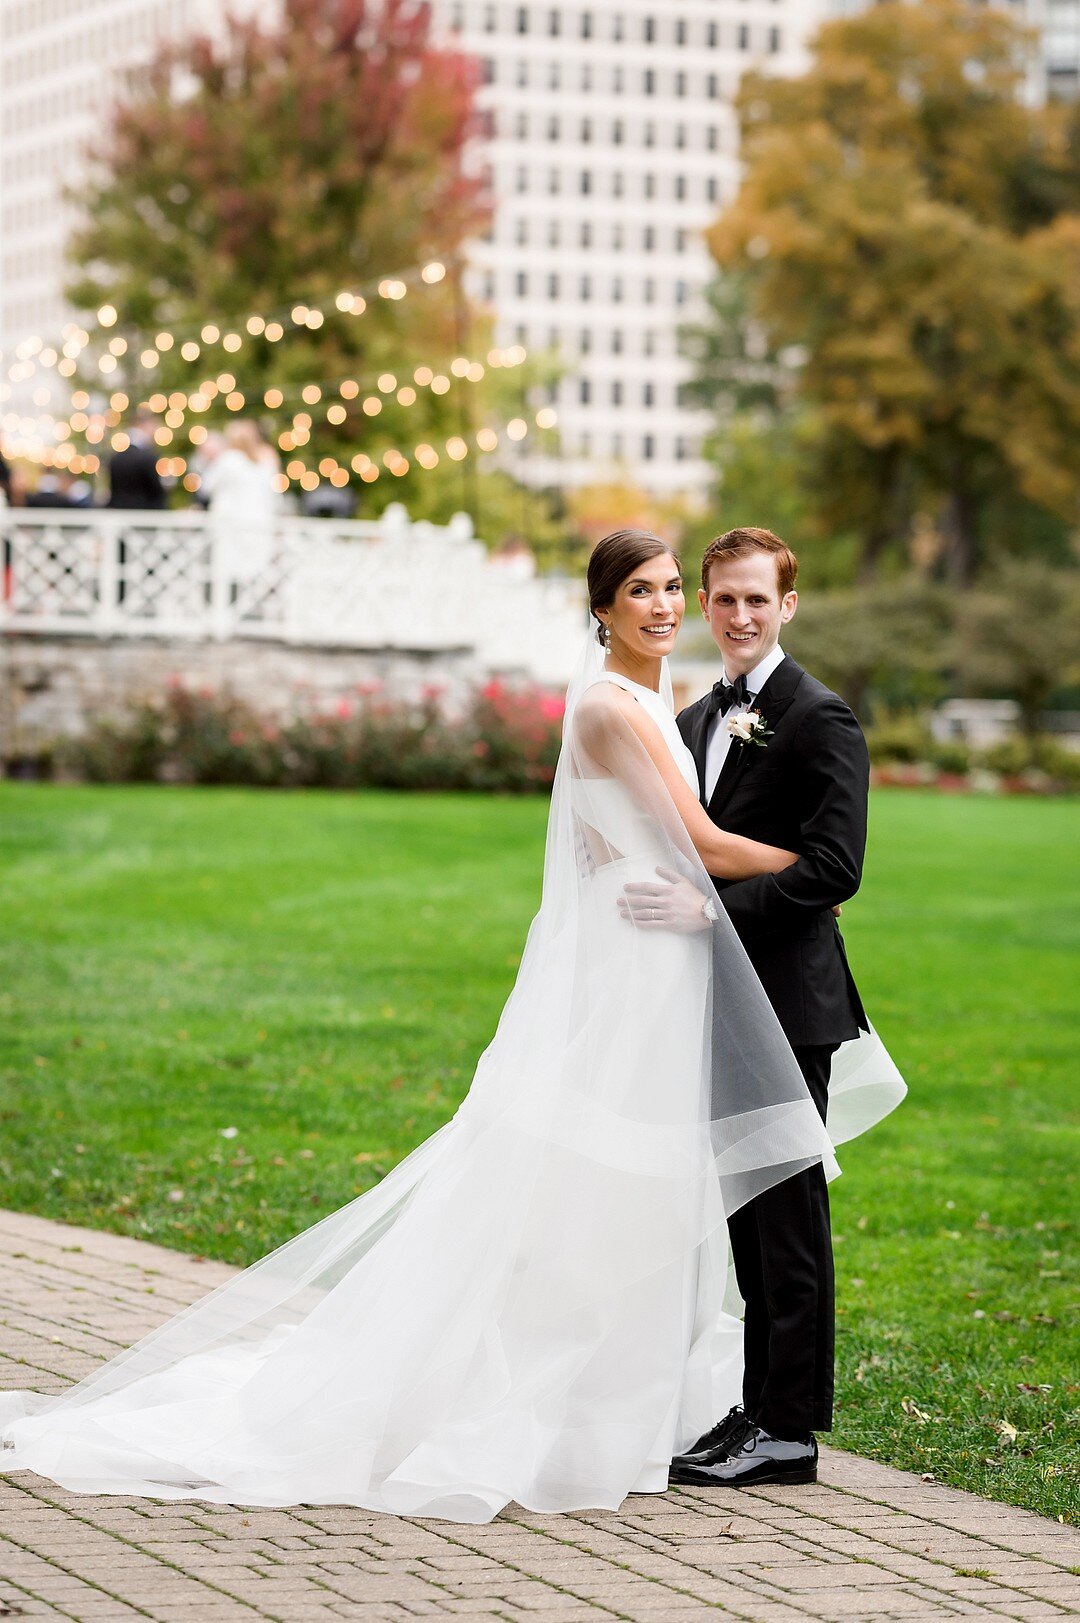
(731, 1430)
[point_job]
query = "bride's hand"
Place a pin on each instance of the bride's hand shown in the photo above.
(668, 903)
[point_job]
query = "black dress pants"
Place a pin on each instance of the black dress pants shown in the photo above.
(781, 1246)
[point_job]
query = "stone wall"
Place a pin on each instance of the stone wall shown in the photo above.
(50, 686)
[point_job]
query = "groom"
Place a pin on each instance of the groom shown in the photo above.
(803, 787)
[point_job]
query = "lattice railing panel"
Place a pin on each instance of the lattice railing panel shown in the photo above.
(57, 573)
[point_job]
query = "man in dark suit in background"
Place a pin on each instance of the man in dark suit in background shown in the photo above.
(802, 786)
(134, 481)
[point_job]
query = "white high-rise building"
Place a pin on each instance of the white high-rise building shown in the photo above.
(612, 144)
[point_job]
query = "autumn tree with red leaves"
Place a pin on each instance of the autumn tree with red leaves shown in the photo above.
(281, 162)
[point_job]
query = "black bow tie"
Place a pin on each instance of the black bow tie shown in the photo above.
(727, 694)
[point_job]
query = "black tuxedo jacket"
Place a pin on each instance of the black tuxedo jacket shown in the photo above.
(806, 790)
(134, 481)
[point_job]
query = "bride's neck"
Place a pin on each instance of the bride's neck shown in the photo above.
(647, 675)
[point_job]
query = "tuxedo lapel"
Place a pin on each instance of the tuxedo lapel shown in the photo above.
(774, 698)
(699, 741)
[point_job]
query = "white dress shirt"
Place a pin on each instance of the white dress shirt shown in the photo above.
(719, 737)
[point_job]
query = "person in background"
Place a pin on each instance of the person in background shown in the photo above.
(134, 481)
(243, 500)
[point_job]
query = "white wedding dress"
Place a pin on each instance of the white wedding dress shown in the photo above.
(536, 1305)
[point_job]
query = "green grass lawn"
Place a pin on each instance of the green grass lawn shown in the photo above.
(314, 975)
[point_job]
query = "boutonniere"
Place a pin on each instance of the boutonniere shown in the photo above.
(749, 728)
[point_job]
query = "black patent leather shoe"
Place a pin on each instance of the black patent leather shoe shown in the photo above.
(757, 1459)
(719, 1441)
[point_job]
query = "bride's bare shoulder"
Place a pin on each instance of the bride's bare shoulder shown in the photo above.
(604, 710)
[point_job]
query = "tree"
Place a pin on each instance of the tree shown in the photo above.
(279, 164)
(1019, 635)
(910, 223)
(890, 640)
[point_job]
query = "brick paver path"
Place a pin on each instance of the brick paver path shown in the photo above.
(864, 1544)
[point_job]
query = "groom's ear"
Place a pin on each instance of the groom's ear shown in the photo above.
(704, 603)
(788, 607)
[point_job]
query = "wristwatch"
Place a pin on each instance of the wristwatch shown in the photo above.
(708, 907)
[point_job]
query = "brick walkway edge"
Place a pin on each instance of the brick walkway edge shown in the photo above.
(865, 1544)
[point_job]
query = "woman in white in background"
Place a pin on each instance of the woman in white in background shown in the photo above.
(243, 500)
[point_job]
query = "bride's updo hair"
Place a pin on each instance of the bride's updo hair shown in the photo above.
(614, 559)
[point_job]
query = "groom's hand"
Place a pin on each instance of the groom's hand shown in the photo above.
(669, 902)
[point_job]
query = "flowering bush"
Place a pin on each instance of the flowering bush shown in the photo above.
(506, 740)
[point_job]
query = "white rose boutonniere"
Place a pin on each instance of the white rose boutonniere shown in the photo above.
(749, 728)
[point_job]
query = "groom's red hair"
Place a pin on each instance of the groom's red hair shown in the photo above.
(737, 543)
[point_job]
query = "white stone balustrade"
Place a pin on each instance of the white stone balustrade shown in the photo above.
(386, 584)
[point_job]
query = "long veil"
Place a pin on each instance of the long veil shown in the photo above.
(535, 1304)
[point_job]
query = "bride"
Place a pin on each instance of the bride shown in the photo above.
(536, 1305)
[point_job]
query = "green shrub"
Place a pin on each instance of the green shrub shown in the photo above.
(903, 737)
(507, 740)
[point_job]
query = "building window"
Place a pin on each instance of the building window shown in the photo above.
(648, 239)
(648, 395)
(680, 84)
(650, 135)
(649, 82)
(489, 19)
(648, 184)
(744, 36)
(712, 37)
(648, 290)
(680, 188)
(554, 76)
(680, 449)
(521, 284)
(586, 289)
(774, 40)
(711, 138)
(521, 232)
(711, 189)
(586, 25)
(616, 393)
(586, 131)
(680, 137)
(648, 342)
(648, 30)
(680, 241)
(553, 233)
(712, 86)
(523, 19)
(616, 446)
(648, 447)
(521, 127)
(617, 133)
(553, 182)
(585, 391)
(585, 234)
(487, 70)
(586, 76)
(585, 341)
(553, 286)
(553, 23)
(681, 292)
(616, 341)
(617, 236)
(522, 74)
(680, 32)
(616, 290)
(521, 179)
(585, 182)
(617, 27)
(553, 129)
(617, 82)
(617, 183)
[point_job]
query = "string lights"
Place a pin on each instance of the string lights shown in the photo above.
(35, 353)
